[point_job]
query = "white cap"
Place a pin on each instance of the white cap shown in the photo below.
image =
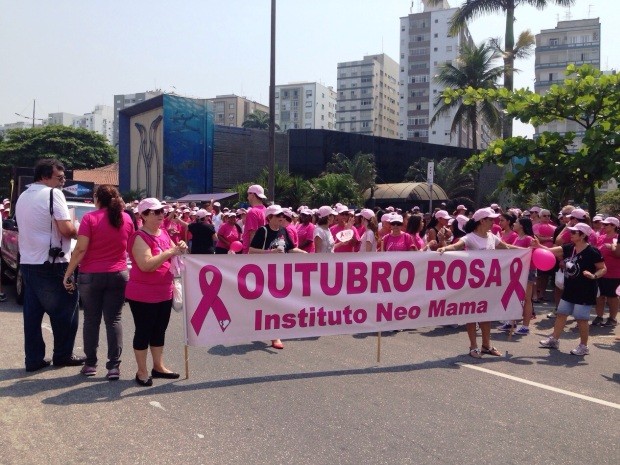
(396, 218)
(442, 214)
(367, 213)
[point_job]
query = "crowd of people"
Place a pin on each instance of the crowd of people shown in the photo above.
(151, 233)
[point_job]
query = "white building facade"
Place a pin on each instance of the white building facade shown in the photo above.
(100, 120)
(426, 45)
(305, 105)
(368, 96)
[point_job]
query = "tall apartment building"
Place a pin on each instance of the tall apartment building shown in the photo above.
(577, 41)
(426, 45)
(100, 120)
(122, 101)
(232, 110)
(368, 96)
(61, 119)
(305, 105)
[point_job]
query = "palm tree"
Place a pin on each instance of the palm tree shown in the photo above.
(474, 68)
(471, 9)
(361, 167)
(258, 120)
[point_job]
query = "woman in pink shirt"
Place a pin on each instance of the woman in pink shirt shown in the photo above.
(228, 233)
(149, 290)
(397, 240)
(507, 235)
(101, 253)
(608, 284)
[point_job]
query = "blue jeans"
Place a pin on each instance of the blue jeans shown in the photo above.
(103, 294)
(45, 293)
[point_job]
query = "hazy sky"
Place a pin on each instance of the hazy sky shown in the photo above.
(70, 55)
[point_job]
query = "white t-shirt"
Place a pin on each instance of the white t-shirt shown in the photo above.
(32, 211)
(217, 221)
(369, 236)
(327, 240)
(474, 242)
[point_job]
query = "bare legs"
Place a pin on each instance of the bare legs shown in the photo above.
(158, 361)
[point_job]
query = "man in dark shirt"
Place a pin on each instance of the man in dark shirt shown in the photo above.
(203, 234)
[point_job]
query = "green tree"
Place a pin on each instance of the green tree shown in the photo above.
(75, 148)
(474, 68)
(290, 191)
(331, 188)
(258, 120)
(609, 202)
(555, 160)
(361, 167)
(472, 9)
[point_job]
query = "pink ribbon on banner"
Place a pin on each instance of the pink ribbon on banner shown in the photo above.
(514, 286)
(210, 300)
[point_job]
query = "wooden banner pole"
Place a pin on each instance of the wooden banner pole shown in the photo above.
(186, 361)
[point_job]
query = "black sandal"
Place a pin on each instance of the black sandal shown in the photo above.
(491, 351)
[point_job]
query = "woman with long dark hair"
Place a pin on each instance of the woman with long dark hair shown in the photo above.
(101, 253)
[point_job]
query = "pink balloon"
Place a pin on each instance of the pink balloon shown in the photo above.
(236, 246)
(543, 259)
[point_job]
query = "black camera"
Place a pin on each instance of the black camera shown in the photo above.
(56, 252)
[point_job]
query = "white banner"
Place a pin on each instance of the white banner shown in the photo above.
(241, 298)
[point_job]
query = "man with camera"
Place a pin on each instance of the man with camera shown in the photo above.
(45, 233)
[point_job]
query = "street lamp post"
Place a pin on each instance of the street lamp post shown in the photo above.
(272, 110)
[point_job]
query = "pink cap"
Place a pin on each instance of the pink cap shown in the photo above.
(484, 213)
(461, 207)
(342, 209)
(581, 227)
(202, 213)
(611, 220)
(367, 213)
(442, 214)
(150, 203)
(273, 210)
(326, 210)
(578, 213)
(258, 190)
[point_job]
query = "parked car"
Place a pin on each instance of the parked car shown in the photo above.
(10, 248)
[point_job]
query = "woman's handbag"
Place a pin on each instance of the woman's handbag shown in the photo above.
(177, 283)
(559, 279)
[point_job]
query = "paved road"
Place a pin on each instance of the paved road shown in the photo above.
(320, 401)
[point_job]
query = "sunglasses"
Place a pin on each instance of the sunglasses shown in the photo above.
(575, 232)
(280, 215)
(158, 212)
(396, 224)
(60, 177)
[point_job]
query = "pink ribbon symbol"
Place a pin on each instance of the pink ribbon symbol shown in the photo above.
(210, 300)
(514, 286)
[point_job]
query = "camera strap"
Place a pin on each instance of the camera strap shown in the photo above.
(52, 221)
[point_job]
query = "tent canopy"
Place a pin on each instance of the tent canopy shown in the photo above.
(406, 191)
(206, 197)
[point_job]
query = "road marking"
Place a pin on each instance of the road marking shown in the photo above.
(542, 386)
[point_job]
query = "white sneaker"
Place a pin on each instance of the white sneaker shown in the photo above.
(550, 343)
(580, 350)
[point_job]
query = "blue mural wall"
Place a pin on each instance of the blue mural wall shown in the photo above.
(188, 146)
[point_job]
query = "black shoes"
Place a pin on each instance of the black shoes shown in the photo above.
(73, 361)
(159, 374)
(141, 382)
(42, 364)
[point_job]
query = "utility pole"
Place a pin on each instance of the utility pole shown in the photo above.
(272, 110)
(32, 118)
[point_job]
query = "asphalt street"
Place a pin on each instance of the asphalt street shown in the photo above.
(320, 401)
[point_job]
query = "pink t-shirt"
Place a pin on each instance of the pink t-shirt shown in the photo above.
(254, 219)
(335, 229)
(509, 237)
(292, 234)
(418, 241)
(152, 286)
(230, 233)
(305, 232)
(402, 242)
(107, 246)
(611, 262)
(545, 230)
